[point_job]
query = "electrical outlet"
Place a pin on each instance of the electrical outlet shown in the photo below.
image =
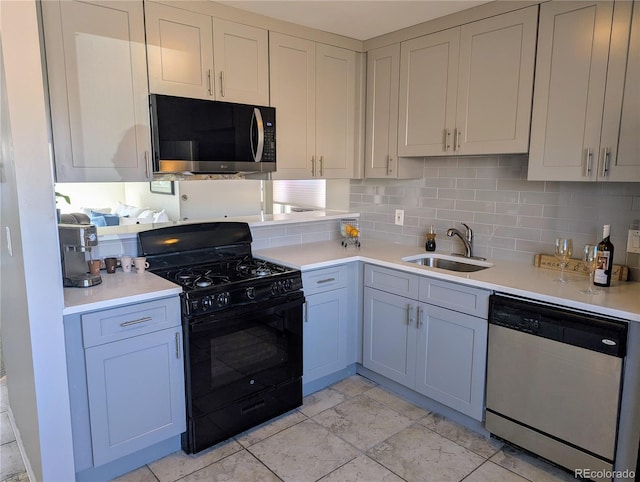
(400, 216)
(633, 241)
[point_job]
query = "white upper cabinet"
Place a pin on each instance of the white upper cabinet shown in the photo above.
(468, 90)
(383, 83)
(585, 113)
(313, 88)
(428, 80)
(180, 52)
(620, 142)
(182, 46)
(96, 68)
(241, 55)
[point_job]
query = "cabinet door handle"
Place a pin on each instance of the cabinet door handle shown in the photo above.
(313, 166)
(209, 82)
(458, 132)
(420, 313)
(177, 345)
(146, 164)
(321, 166)
(606, 159)
(326, 280)
(409, 314)
(589, 160)
(389, 164)
(447, 140)
(135, 322)
(306, 312)
(222, 91)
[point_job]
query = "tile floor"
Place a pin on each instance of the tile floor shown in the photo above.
(354, 431)
(11, 465)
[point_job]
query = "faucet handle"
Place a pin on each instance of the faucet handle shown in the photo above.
(469, 232)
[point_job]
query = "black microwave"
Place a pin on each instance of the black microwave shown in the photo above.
(210, 137)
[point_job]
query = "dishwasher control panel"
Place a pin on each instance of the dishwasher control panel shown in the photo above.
(555, 323)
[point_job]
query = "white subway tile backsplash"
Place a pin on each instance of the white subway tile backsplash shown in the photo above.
(512, 218)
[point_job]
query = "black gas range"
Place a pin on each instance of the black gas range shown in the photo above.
(242, 323)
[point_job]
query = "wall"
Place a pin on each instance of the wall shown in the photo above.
(31, 292)
(512, 218)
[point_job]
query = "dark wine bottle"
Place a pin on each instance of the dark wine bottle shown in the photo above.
(602, 275)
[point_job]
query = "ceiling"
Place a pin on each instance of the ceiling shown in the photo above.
(358, 19)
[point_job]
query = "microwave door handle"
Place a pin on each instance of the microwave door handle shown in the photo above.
(257, 118)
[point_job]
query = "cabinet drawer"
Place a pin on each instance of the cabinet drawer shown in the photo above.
(325, 279)
(391, 281)
(465, 299)
(115, 324)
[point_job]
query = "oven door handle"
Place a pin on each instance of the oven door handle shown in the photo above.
(212, 320)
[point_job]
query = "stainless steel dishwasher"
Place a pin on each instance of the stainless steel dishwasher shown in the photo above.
(554, 380)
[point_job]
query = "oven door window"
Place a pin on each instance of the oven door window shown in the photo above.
(237, 354)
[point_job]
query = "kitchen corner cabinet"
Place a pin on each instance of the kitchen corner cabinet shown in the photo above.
(126, 375)
(328, 332)
(313, 88)
(98, 95)
(198, 56)
(383, 84)
(585, 112)
(428, 335)
(468, 90)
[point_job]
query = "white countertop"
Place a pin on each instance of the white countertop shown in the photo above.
(117, 289)
(131, 230)
(620, 300)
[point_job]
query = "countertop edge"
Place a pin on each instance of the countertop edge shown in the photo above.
(272, 254)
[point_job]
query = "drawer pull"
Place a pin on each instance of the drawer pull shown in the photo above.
(326, 280)
(135, 322)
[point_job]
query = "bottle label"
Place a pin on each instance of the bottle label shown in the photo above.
(600, 275)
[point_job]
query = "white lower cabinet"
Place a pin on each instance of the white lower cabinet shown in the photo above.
(329, 328)
(136, 394)
(126, 378)
(436, 351)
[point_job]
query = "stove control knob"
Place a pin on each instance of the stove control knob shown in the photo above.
(251, 293)
(206, 302)
(274, 288)
(223, 299)
(288, 284)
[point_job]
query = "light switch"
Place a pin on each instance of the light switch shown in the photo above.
(633, 241)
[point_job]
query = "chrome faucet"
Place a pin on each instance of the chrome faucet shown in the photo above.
(467, 239)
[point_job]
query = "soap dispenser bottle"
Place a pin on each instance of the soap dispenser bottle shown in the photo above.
(431, 239)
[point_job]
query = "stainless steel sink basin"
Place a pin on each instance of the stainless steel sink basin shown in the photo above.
(449, 263)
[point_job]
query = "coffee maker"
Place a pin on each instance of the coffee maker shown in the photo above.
(75, 241)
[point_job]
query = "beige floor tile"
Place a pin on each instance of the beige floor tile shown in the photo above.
(490, 472)
(179, 464)
(270, 428)
(318, 402)
(4, 395)
(6, 430)
(239, 467)
(362, 421)
(530, 467)
(354, 385)
(462, 435)
(362, 469)
(304, 452)
(11, 464)
(143, 474)
(418, 454)
(397, 403)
